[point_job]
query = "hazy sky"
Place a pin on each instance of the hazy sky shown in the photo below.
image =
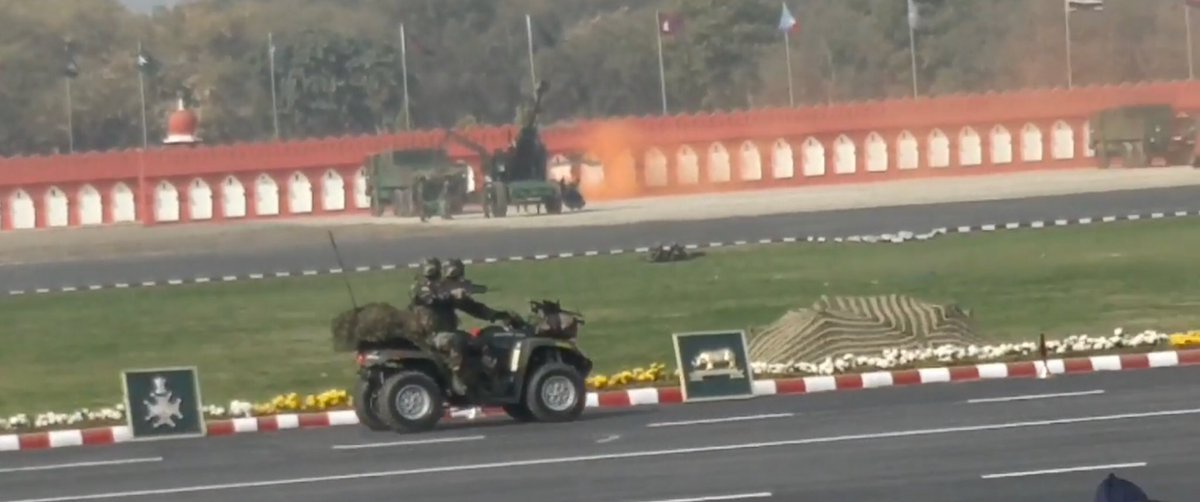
(145, 5)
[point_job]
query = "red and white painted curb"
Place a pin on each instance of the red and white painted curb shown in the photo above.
(658, 396)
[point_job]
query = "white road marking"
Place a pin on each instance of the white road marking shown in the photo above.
(407, 443)
(1084, 468)
(1030, 397)
(738, 496)
(721, 420)
(608, 439)
(73, 465)
(619, 456)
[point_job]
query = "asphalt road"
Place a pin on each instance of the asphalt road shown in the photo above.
(926, 444)
(528, 242)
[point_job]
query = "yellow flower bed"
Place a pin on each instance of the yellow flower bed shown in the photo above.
(1184, 340)
(292, 402)
(656, 372)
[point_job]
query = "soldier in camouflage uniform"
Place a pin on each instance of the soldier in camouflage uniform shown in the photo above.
(441, 299)
(418, 193)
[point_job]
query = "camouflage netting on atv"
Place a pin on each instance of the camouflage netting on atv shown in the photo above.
(373, 322)
(860, 325)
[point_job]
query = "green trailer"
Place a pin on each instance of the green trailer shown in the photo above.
(1138, 135)
(395, 178)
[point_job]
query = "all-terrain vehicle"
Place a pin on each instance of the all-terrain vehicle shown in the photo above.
(533, 370)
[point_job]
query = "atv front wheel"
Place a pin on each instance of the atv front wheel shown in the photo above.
(366, 406)
(556, 393)
(411, 401)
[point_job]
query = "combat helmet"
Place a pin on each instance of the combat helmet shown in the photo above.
(431, 269)
(455, 269)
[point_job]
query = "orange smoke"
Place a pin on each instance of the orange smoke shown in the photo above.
(611, 144)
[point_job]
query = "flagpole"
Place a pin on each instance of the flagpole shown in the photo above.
(912, 56)
(1067, 30)
(70, 119)
(1187, 20)
(404, 75)
(787, 53)
(662, 75)
(142, 210)
(274, 105)
(529, 39)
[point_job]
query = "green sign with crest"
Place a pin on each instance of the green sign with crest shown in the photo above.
(163, 403)
(713, 365)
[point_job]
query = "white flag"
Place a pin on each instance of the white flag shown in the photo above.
(914, 15)
(1085, 5)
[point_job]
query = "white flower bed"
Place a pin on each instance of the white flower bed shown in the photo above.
(236, 409)
(947, 355)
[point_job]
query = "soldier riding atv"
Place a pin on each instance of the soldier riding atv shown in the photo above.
(532, 369)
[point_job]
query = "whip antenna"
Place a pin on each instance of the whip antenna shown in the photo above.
(341, 266)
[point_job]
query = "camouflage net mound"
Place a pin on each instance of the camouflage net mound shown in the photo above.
(860, 325)
(373, 322)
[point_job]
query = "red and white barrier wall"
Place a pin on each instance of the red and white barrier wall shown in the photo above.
(845, 143)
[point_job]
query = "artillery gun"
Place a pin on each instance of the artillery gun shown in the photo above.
(518, 175)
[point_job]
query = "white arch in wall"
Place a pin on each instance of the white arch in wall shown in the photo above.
(266, 196)
(845, 155)
(591, 172)
(656, 168)
(124, 204)
(58, 208)
(557, 168)
(233, 198)
(783, 161)
(970, 147)
(1031, 143)
(200, 200)
(751, 162)
(361, 200)
(814, 157)
(91, 206)
(166, 201)
(333, 191)
(300, 196)
(877, 153)
(1062, 141)
(719, 169)
(939, 149)
(1002, 147)
(1086, 132)
(688, 166)
(908, 151)
(22, 209)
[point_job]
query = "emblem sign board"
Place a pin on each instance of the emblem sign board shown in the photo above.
(713, 365)
(163, 403)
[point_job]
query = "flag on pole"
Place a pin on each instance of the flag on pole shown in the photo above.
(670, 23)
(71, 68)
(146, 62)
(787, 22)
(1192, 3)
(914, 15)
(1085, 5)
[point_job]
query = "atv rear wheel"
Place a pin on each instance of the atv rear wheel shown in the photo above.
(411, 401)
(366, 406)
(556, 393)
(519, 412)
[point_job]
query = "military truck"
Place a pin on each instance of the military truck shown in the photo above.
(1140, 134)
(518, 175)
(393, 176)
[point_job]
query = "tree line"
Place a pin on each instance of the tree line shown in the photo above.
(337, 63)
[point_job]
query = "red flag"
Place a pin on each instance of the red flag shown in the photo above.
(670, 23)
(1192, 3)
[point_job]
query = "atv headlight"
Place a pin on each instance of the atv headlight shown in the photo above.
(514, 359)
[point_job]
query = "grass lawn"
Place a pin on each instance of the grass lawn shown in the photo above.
(254, 339)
